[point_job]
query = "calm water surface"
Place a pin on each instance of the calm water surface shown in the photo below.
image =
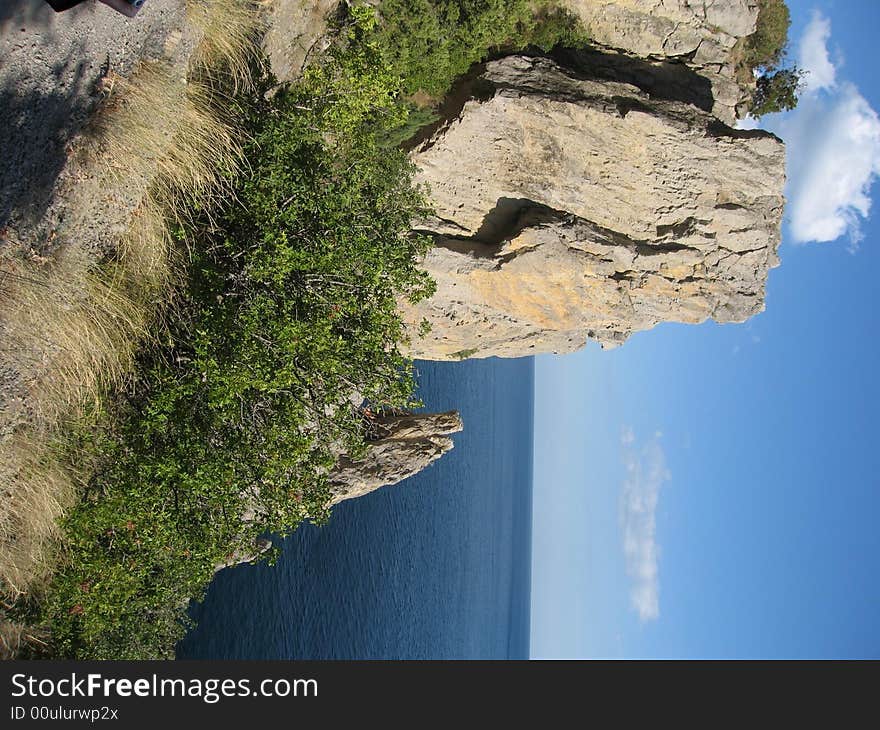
(436, 567)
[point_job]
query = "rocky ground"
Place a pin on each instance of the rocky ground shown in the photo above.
(51, 67)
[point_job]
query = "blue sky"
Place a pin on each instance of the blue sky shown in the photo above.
(714, 491)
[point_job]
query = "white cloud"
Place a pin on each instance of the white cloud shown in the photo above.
(833, 159)
(646, 472)
(833, 147)
(813, 54)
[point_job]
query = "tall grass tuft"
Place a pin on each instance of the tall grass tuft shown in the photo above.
(70, 322)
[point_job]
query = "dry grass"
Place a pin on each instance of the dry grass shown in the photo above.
(71, 323)
(43, 487)
(134, 145)
(146, 253)
(74, 330)
(231, 30)
(17, 639)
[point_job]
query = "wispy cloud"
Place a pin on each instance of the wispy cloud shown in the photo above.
(813, 56)
(833, 147)
(646, 472)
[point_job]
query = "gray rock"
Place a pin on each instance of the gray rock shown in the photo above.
(238, 557)
(406, 444)
(295, 30)
(571, 207)
(701, 34)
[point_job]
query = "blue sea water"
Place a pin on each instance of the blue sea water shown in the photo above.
(436, 567)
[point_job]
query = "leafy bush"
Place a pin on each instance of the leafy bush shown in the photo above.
(430, 43)
(776, 92)
(763, 53)
(292, 311)
(765, 48)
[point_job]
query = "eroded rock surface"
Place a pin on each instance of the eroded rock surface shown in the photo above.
(699, 33)
(406, 444)
(296, 29)
(570, 206)
(403, 445)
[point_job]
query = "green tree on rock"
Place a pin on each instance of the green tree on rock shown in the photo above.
(777, 91)
(763, 54)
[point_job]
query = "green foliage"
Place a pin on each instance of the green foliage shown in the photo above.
(292, 309)
(763, 53)
(766, 46)
(465, 354)
(776, 92)
(432, 42)
(417, 118)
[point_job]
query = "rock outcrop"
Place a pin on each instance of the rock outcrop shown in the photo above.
(238, 557)
(295, 31)
(404, 445)
(701, 35)
(572, 206)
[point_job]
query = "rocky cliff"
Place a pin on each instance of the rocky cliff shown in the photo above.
(403, 445)
(592, 195)
(700, 35)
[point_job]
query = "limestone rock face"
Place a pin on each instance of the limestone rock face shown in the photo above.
(295, 30)
(573, 207)
(405, 445)
(701, 34)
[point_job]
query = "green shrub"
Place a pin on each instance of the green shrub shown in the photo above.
(430, 43)
(763, 53)
(291, 311)
(776, 92)
(765, 48)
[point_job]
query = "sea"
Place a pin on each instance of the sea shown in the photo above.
(435, 567)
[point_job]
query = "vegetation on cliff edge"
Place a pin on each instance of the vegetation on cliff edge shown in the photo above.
(430, 43)
(763, 57)
(289, 311)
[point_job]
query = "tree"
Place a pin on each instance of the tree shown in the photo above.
(777, 91)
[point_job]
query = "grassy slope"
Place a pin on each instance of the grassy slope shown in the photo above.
(71, 321)
(289, 308)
